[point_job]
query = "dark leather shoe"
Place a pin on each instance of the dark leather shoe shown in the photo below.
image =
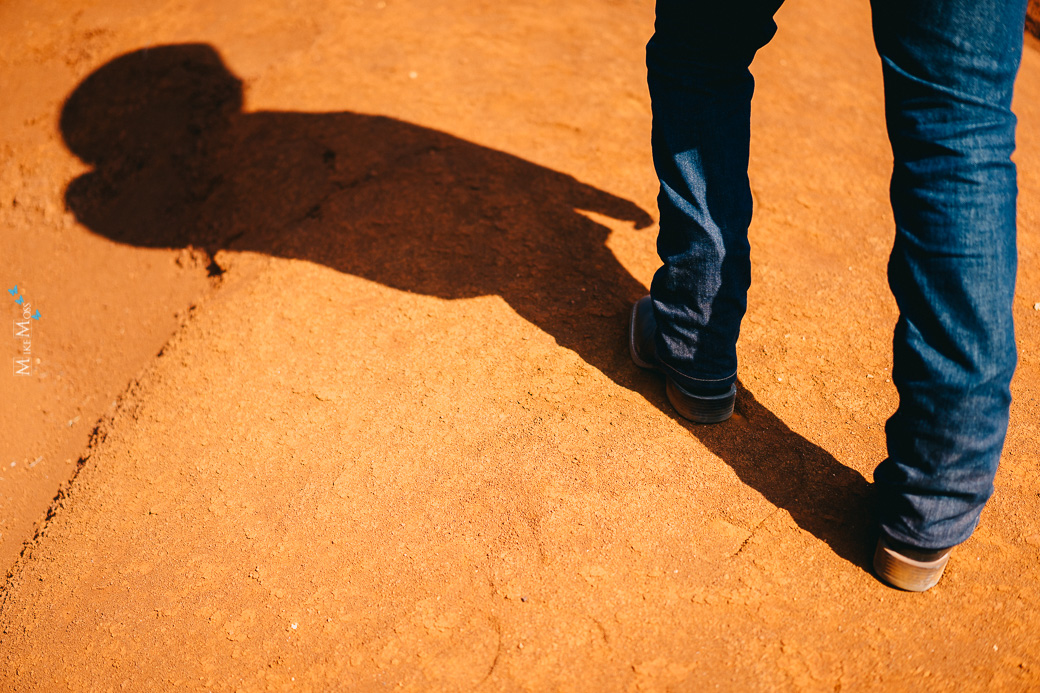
(642, 329)
(699, 408)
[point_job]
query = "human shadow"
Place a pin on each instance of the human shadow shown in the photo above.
(177, 163)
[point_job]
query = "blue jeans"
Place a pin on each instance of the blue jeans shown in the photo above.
(949, 69)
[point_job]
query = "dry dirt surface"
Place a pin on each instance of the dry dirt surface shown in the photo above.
(330, 388)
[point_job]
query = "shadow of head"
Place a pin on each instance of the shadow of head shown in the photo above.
(142, 122)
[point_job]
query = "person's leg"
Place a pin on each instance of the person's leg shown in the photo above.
(700, 89)
(949, 68)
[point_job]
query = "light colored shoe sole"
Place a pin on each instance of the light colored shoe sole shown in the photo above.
(906, 573)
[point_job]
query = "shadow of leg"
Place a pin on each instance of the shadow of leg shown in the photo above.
(823, 496)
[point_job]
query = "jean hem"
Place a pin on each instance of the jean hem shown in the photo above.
(925, 545)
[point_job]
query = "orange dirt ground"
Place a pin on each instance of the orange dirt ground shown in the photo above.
(334, 394)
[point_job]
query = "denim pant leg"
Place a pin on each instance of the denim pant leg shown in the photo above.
(700, 89)
(949, 68)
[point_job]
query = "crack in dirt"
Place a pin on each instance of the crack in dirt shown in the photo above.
(754, 529)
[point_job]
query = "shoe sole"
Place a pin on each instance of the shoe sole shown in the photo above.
(906, 573)
(705, 410)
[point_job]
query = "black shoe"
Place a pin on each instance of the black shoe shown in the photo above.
(908, 568)
(699, 408)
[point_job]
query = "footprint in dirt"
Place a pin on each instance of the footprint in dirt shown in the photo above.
(177, 163)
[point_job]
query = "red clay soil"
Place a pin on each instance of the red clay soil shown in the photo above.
(330, 389)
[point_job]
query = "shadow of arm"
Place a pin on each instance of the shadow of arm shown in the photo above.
(590, 199)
